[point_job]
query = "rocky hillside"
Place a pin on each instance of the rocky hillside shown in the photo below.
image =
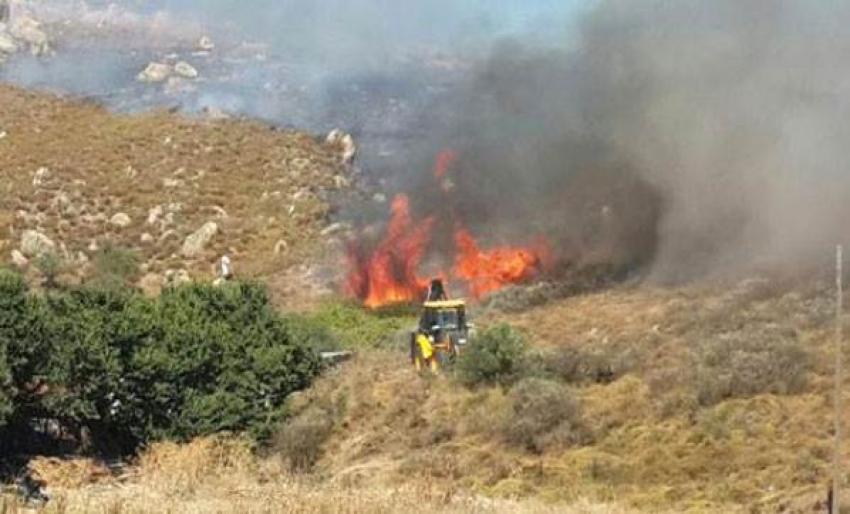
(180, 192)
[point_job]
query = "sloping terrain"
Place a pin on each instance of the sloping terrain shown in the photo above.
(670, 415)
(666, 417)
(82, 177)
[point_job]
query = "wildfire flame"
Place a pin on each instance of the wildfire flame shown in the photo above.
(445, 160)
(389, 274)
(491, 270)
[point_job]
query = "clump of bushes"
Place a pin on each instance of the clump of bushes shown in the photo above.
(590, 364)
(543, 413)
(299, 442)
(114, 268)
(747, 363)
(129, 370)
(354, 327)
(496, 356)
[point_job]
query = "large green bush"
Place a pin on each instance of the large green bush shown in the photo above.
(496, 356)
(199, 359)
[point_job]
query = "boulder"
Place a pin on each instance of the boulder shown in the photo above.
(61, 203)
(185, 70)
(19, 260)
(205, 44)
(7, 44)
(345, 143)
(195, 244)
(29, 31)
(175, 278)
(154, 214)
(34, 244)
(151, 284)
(333, 228)
(41, 177)
(120, 220)
(146, 238)
(155, 72)
(280, 247)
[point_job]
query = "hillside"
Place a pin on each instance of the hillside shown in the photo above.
(664, 416)
(670, 415)
(83, 177)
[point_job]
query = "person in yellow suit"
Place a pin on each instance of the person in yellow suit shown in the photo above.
(426, 351)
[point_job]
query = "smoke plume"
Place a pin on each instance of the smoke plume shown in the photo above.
(687, 138)
(697, 138)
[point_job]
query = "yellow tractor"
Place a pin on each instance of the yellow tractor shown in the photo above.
(442, 333)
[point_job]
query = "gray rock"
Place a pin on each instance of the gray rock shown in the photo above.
(41, 176)
(280, 247)
(333, 229)
(154, 214)
(121, 220)
(28, 31)
(345, 143)
(205, 44)
(19, 260)
(34, 244)
(185, 70)
(151, 284)
(195, 244)
(7, 44)
(154, 72)
(175, 278)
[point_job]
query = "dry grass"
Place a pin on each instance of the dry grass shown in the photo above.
(260, 185)
(220, 475)
(649, 444)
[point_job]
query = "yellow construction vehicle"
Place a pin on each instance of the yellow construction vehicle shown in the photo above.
(442, 333)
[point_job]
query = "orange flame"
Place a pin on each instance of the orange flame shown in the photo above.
(389, 275)
(491, 270)
(445, 160)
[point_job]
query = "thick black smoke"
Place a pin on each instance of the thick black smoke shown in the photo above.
(699, 137)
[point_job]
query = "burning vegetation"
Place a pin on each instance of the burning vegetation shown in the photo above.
(392, 271)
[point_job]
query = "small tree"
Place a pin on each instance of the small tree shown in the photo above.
(494, 357)
(114, 268)
(50, 265)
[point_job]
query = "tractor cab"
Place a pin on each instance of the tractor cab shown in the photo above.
(442, 333)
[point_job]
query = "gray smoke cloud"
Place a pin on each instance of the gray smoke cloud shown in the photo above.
(698, 138)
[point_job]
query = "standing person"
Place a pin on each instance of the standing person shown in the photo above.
(225, 269)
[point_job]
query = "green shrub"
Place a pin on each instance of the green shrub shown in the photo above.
(355, 327)
(749, 363)
(50, 265)
(19, 349)
(543, 413)
(496, 356)
(197, 360)
(114, 268)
